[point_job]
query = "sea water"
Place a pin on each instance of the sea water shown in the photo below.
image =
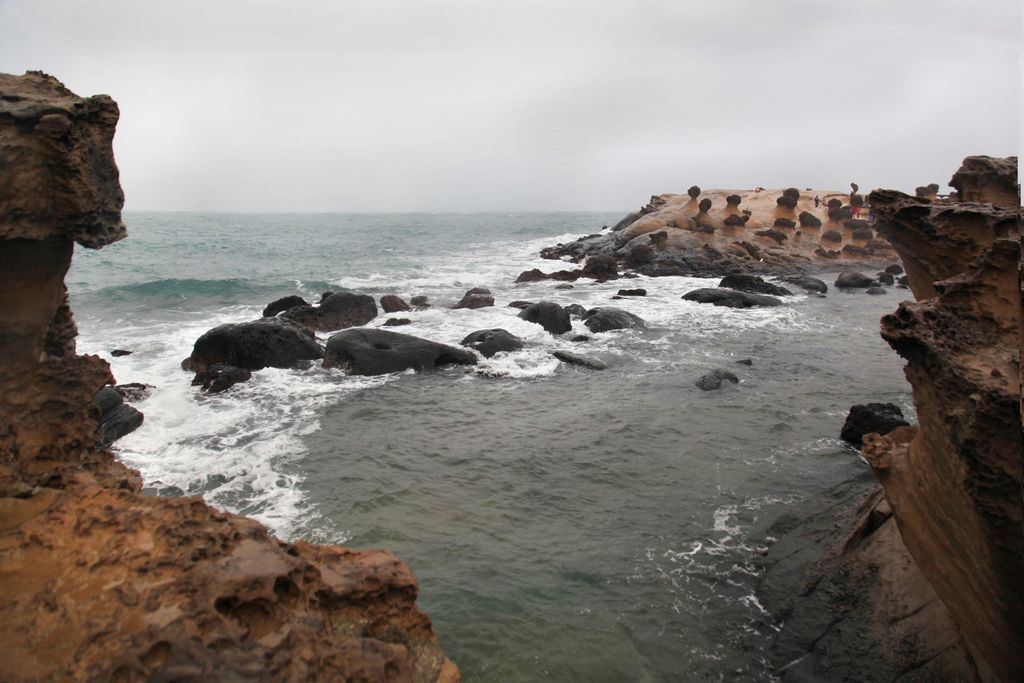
(564, 524)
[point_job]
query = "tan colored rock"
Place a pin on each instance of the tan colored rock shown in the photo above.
(98, 582)
(955, 487)
(988, 179)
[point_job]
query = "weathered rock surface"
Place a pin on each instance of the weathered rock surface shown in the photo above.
(477, 297)
(336, 311)
(376, 352)
(988, 179)
(548, 315)
(389, 303)
(955, 486)
(116, 418)
(267, 343)
(98, 581)
(608, 318)
(730, 298)
(490, 342)
(217, 377)
(283, 304)
(871, 418)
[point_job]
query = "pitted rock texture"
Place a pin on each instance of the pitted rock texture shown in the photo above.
(988, 179)
(98, 582)
(955, 487)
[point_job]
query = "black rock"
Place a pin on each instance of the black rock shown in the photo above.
(601, 268)
(575, 311)
(283, 304)
(420, 301)
(216, 378)
(904, 281)
(713, 380)
(809, 220)
(752, 283)
(730, 298)
(863, 234)
(875, 290)
(396, 322)
(518, 304)
(490, 342)
(784, 223)
(364, 351)
(532, 275)
(548, 315)
(389, 303)
(134, 391)
(736, 220)
(476, 298)
(117, 353)
(271, 342)
(583, 361)
(733, 200)
(694, 192)
(886, 278)
(704, 206)
(810, 284)
(832, 236)
(565, 285)
(878, 418)
(606, 318)
(895, 269)
(851, 279)
(324, 295)
(115, 417)
(773, 234)
(335, 312)
(632, 292)
(745, 361)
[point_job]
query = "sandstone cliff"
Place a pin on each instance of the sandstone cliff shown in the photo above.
(955, 486)
(96, 580)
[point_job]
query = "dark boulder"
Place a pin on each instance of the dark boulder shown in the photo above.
(324, 295)
(134, 391)
(565, 285)
(809, 220)
(271, 342)
(118, 353)
(420, 301)
(632, 292)
(575, 310)
(773, 234)
(713, 380)
(639, 255)
(792, 193)
(490, 342)
(397, 322)
(115, 417)
(826, 253)
(704, 206)
(694, 192)
(834, 204)
(851, 279)
(745, 361)
(519, 304)
(809, 284)
(903, 281)
(752, 283)
(730, 298)
(854, 250)
(872, 418)
(855, 223)
(376, 352)
(875, 290)
(389, 303)
(784, 223)
(733, 200)
(832, 236)
(548, 315)
(786, 201)
(607, 318)
(336, 312)
(864, 234)
(532, 275)
(895, 269)
(840, 214)
(582, 361)
(283, 304)
(736, 220)
(601, 268)
(217, 378)
(886, 278)
(478, 297)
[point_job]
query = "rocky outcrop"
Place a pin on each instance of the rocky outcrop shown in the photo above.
(490, 342)
(267, 343)
(336, 311)
(99, 581)
(955, 486)
(376, 352)
(608, 318)
(548, 315)
(283, 304)
(988, 179)
(477, 297)
(730, 298)
(752, 284)
(871, 418)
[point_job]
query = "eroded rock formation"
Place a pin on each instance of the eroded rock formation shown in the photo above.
(98, 581)
(955, 487)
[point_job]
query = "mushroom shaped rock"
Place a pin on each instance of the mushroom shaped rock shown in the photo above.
(490, 342)
(834, 203)
(730, 298)
(809, 220)
(548, 315)
(705, 205)
(733, 200)
(607, 318)
(832, 236)
(267, 343)
(694, 192)
(364, 351)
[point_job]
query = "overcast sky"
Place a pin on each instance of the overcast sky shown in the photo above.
(405, 105)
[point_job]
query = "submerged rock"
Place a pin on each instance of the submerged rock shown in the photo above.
(490, 342)
(753, 284)
(713, 380)
(607, 318)
(217, 378)
(877, 418)
(583, 361)
(376, 352)
(548, 315)
(730, 298)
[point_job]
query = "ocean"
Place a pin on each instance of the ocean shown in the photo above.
(564, 524)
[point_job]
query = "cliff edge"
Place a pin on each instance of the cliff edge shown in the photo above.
(955, 485)
(96, 580)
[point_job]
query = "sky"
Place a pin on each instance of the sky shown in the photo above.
(472, 105)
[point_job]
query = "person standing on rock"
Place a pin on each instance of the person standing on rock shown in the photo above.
(817, 201)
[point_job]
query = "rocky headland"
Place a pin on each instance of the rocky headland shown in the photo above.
(922, 578)
(97, 581)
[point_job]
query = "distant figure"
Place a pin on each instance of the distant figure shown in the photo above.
(817, 201)
(856, 211)
(758, 189)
